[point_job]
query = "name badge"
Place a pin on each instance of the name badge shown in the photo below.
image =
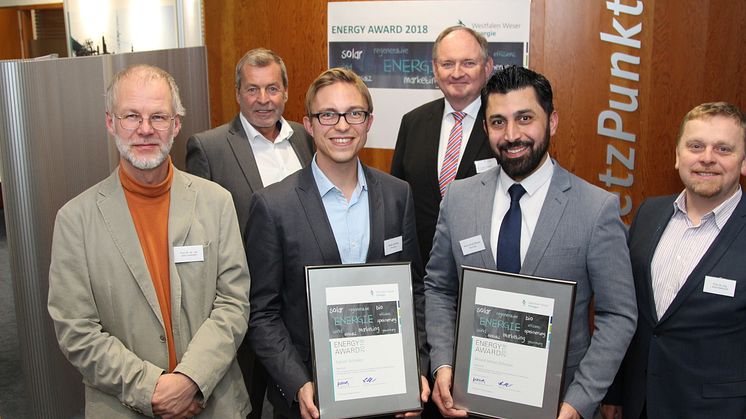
(485, 165)
(188, 254)
(392, 246)
(472, 245)
(720, 286)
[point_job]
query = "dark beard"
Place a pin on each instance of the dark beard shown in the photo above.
(520, 168)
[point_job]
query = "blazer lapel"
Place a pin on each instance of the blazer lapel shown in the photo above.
(239, 143)
(310, 199)
(476, 141)
(114, 210)
(652, 244)
(296, 141)
(376, 216)
(711, 258)
(180, 219)
(431, 140)
(549, 218)
(181, 211)
(483, 217)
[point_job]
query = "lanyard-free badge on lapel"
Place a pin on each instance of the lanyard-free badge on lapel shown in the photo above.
(391, 246)
(720, 286)
(485, 165)
(472, 245)
(188, 254)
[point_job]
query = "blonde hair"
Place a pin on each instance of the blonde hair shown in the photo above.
(337, 75)
(711, 109)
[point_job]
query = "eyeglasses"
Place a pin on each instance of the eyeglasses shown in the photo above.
(332, 118)
(158, 121)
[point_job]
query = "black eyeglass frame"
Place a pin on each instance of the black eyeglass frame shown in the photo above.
(339, 115)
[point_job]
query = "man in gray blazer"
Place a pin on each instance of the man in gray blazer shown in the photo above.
(560, 227)
(258, 148)
(148, 285)
(335, 211)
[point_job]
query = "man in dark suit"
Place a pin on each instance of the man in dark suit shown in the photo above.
(687, 358)
(335, 211)
(461, 67)
(258, 148)
(533, 217)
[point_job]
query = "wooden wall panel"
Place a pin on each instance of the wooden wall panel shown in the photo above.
(10, 47)
(578, 63)
(690, 53)
(295, 30)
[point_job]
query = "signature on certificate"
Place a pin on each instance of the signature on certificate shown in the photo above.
(343, 383)
(369, 380)
(504, 384)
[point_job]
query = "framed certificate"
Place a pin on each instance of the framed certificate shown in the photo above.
(511, 343)
(363, 339)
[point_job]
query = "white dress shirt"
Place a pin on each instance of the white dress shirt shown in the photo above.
(536, 186)
(275, 160)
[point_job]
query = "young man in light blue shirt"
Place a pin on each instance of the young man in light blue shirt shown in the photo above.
(335, 211)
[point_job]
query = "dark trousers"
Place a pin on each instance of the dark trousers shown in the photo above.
(254, 377)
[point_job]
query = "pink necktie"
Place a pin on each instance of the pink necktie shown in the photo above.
(453, 149)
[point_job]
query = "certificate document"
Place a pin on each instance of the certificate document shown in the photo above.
(367, 356)
(510, 346)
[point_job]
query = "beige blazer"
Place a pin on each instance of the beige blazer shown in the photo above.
(106, 314)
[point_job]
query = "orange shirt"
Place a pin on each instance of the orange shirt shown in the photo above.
(148, 205)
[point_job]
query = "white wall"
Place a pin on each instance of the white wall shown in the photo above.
(134, 25)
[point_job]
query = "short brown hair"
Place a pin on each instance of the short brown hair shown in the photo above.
(337, 75)
(708, 110)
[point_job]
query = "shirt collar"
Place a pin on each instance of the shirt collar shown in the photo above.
(286, 131)
(325, 185)
(533, 182)
(721, 213)
(471, 110)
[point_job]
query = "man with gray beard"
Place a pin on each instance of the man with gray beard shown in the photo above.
(148, 285)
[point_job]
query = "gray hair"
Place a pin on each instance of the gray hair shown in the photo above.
(149, 73)
(261, 57)
(481, 40)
